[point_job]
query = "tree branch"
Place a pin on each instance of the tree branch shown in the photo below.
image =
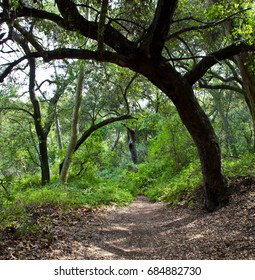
(94, 127)
(222, 86)
(17, 109)
(29, 37)
(205, 26)
(206, 63)
(107, 56)
(74, 20)
(101, 26)
(10, 66)
(156, 36)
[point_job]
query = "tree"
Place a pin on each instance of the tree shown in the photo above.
(103, 103)
(143, 53)
(74, 128)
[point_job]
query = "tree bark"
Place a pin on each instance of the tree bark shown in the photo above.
(41, 134)
(180, 91)
(44, 159)
(58, 131)
(132, 145)
(74, 133)
(200, 128)
(116, 141)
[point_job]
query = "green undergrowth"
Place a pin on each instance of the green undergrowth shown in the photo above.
(157, 182)
(160, 184)
(240, 166)
(22, 200)
(19, 200)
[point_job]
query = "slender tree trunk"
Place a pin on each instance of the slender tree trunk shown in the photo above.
(58, 131)
(74, 131)
(229, 140)
(132, 145)
(116, 141)
(44, 159)
(41, 134)
(245, 64)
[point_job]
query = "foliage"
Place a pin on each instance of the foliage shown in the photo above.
(241, 166)
(180, 187)
(18, 208)
(102, 171)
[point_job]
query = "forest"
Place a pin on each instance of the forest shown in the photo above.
(108, 104)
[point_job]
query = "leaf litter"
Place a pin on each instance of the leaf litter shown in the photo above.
(143, 230)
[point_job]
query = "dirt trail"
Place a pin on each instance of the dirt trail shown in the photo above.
(130, 232)
(146, 230)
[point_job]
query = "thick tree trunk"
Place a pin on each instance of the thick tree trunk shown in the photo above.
(201, 130)
(193, 117)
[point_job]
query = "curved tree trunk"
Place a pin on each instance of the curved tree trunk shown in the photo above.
(180, 91)
(201, 130)
(87, 133)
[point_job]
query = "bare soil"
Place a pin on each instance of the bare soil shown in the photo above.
(144, 230)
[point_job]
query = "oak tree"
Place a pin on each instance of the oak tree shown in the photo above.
(134, 44)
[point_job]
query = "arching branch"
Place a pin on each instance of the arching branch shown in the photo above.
(207, 62)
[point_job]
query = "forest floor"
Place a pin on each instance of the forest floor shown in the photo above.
(143, 230)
